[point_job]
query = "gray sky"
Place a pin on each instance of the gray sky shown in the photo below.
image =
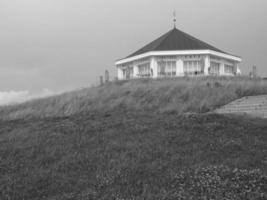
(58, 45)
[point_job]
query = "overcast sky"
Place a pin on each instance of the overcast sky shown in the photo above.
(58, 45)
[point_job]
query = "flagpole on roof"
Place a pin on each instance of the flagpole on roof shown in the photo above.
(174, 19)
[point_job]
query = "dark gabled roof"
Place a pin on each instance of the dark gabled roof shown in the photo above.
(175, 40)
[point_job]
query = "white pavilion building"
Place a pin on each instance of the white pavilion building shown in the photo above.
(177, 54)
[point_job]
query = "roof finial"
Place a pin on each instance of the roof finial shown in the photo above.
(174, 19)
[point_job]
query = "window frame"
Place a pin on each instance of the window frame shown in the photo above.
(166, 68)
(193, 67)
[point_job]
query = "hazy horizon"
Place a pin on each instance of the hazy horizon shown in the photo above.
(59, 45)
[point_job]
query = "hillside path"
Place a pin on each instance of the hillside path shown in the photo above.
(252, 105)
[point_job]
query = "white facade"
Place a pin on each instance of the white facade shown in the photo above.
(156, 64)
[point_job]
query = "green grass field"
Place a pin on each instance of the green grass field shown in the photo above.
(122, 142)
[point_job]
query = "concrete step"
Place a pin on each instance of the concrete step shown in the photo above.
(251, 100)
(252, 105)
(247, 102)
(255, 114)
(245, 105)
(244, 108)
(238, 111)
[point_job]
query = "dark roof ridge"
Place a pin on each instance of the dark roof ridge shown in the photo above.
(192, 37)
(164, 38)
(161, 38)
(176, 40)
(195, 39)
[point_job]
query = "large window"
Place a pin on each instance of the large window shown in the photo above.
(214, 68)
(124, 73)
(130, 72)
(166, 68)
(229, 69)
(127, 72)
(144, 70)
(193, 67)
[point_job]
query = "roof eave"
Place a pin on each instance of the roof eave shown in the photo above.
(178, 52)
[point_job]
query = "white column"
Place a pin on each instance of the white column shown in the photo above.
(207, 65)
(222, 68)
(179, 67)
(135, 71)
(238, 70)
(154, 67)
(235, 68)
(120, 73)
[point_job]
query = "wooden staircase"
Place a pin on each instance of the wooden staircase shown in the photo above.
(252, 105)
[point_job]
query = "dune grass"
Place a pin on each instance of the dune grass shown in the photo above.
(130, 140)
(133, 156)
(178, 95)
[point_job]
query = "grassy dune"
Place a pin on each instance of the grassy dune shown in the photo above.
(179, 95)
(133, 156)
(132, 140)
